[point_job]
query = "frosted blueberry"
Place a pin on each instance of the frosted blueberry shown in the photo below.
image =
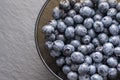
(92, 69)
(61, 37)
(83, 49)
(83, 69)
(97, 57)
(68, 60)
(58, 45)
(78, 19)
(112, 12)
(61, 26)
(65, 5)
(69, 32)
(103, 70)
(72, 76)
(96, 77)
(84, 77)
(118, 6)
(114, 30)
(51, 37)
(88, 23)
(66, 69)
(74, 67)
(86, 39)
(112, 73)
(72, 13)
(114, 40)
(57, 13)
(48, 29)
(118, 67)
(96, 42)
(103, 38)
(112, 62)
(53, 23)
(91, 33)
(112, 3)
(97, 17)
(77, 6)
(103, 7)
(118, 16)
(98, 26)
(117, 51)
(80, 30)
(75, 43)
(107, 21)
(49, 44)
(90, 48)
(99, 48)
(88, 60)
(60, 61)
(54, 53)
(69, 21)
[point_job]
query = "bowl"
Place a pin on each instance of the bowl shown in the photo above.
(45, 15)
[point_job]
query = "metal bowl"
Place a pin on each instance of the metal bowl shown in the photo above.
(45, 15)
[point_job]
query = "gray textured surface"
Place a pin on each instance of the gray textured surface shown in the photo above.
(18, 56)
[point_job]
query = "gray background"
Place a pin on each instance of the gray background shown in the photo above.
(18, 56)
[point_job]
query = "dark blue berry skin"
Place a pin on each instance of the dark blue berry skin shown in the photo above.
(58, 45)
(78, 19)
(88, 60)
(112, 3)
(103, 7)
(66, 69)
(117, 51)
(97, 17)
(75, 43)
(57, 13)
(65, 5)
(72, 76)
(72, 3)
(106, 31)
(86, 11)
(96, 42)
(114, 40)
(72, 13)
(84, 77)
(54, 53)
(118, 16)
(77, 57)
(96, 77)
(103, 70)
(107, 21)
(48, 29)
(115, 22)
(103, 38)
(74, 67)
(60, 61)
(99, 49)
(88, 23)
(91, 33)
(92, 69)
(87, 3)
(83, 49)
(97, 57)
(68, 49)
(112, 73)
(108, 49)
(118, 67)
(51, 37)
(80, 30)
(49, 44)
(86, 39)
(112, 62)
(77, 6)
(61, 26)
(69, 32)
(114, 30)
(118, 7)
(83, 69)
(53, 23)
(90, 48)
(68, 60)
(69, 21)
(60, 37)
(98, 26)
(112, 12)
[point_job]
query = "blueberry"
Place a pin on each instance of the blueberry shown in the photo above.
(107, 21)
(68, 60)
(117, 51)
(77, 37)
(57, 13)
(54, 53)
(96, 42)
(72, 13)
(69, 32)
(49, 44)
(108, 49)
(86, 11)
(118, 7)
(91, 33)
(72, 76)
(60, 61)
(51, 37)
(77, 57)
(86, 39)
(103, 70)
(69, 21)
(97, 64)
(118, 16)
(90, 48)
(114, 40)
(68, 49)
(83, 49)
(112, 3)
(103, 38)
(96, 77)
(48, 29)
(99, 48)
(118, 67)
(74, 67)
(53, 23)
(112, 12)
(87, 3)
(66, 69)
(83, 69)
(97, 57)
(80, 30)
(103, 7)
(75, 43)
(114, 30)
(61, 37)
(77, 6)
(92, 69)
(98, 26)
(78, 19)
(112, 62)
(112, 73)
(61, 26)
(115, 22)
(97, 17)
(65, 5)
(88, 60)
(58, 45)
(72, 2)
(84, 77)
(88, 23)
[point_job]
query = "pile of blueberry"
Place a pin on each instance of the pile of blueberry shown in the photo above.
(84, 38)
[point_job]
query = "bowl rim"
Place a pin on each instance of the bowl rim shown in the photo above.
(36, 39)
